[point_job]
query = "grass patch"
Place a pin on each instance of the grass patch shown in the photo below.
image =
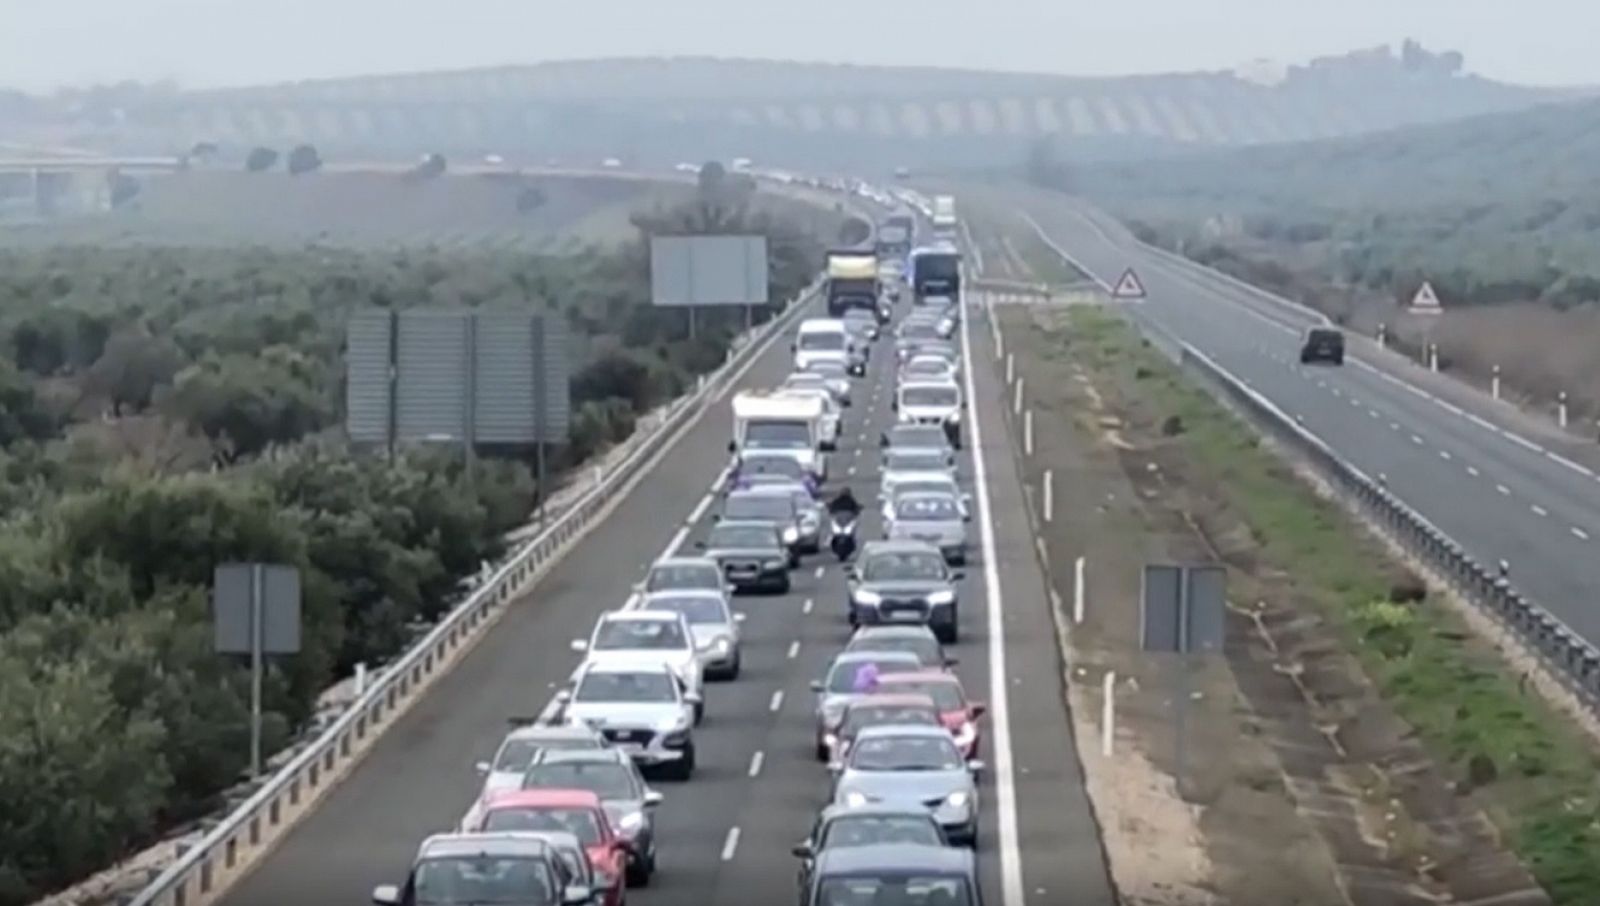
(1047, 266)
(1533, 772)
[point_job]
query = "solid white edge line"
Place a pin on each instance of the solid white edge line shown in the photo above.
(999, 706)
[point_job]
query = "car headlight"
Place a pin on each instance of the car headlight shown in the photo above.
(855, 799)
(958, 799)
(831, 739)
(868, 598)
(956, 416)
(942, 597)
(790, 534)
(722, 644)
(632, 821)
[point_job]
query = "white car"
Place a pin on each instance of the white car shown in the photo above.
(928, 368)
(931, 402)
(627, 636)
(714, 624)
(640, 706)
(921, 483)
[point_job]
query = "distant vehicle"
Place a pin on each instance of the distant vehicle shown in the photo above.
(683, 574)
(839, 827)
(523, 744)
(905, 582)
(911, 436)
(487, 868)
(852, 280)
(644, 708)
(611, 163)
(494, 160)
(755, 464)
(894, 873)
(752, 554)
(944, 216)
(797, 526)
(931, 402)
(1322, 344)
(803, 384)
(835, 376)
(906, 764)
(932, 516)
(741, 164)
(577, 812)
(827, 340)
(765, 423)
(902, 172)
(687, 168)
(864, 322)
(936, 271)
(840, 686)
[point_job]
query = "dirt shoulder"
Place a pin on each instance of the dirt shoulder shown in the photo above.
(1348, 748)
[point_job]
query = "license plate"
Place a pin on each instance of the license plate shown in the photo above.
(631, 748)
(906, 616)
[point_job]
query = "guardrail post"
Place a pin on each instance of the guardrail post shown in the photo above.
(1494, 382)
(1383, 338)
(1561, 409)
(1433, 357)
(361, 679)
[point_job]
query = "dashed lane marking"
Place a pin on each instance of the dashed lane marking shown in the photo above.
(755, 763)
(730, 845)
(777, 701)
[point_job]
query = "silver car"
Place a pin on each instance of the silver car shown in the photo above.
(683, 574)
(931, 516)
(909, 436)
(922, 482)
(628, 801)
(836, 376)
(919, 640)
(846, 681)
(926, 367)
(812, 379)
(863, 322)
(904, 582)
(523, 744)
(715, 627)
(912, 765)
(906, 465)
(931, 402)
(642, 708)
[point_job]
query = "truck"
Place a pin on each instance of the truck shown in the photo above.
(944, 216)
(895, 236)
(935, 271)
(852, 281)
(769, 422)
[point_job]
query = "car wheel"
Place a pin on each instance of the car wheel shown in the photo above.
(684, 768)
(784, 585)
(637, 874)
(949, 634)
(699, 713)
(822, 752)
(732, 672)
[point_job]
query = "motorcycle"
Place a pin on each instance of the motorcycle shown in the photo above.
(842, 540)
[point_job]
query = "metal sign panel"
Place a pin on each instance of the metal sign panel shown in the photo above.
(556, 421)
(708, 270)
(232, 595)
(368, 392)
(431, 392)
(521, 384)
(1183, 609)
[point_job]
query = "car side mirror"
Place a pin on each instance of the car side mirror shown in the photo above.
(816, 685)
(802, 850)
(975, 766)
(951, 661)
(576, 895)
(481, 767)
(653, 798)
(387, 894)
(700, 545)
(693, 698)
(733, 446)
(740, 617)
(580, 645)
(563, 696)
(978, 709)
(958, 575)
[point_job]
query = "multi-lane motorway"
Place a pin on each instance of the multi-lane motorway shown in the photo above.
(725, 836)
(1468, 464)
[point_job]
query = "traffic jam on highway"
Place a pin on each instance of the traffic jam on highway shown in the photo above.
(567, 809)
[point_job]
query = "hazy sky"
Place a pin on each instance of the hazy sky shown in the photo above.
(45, 43)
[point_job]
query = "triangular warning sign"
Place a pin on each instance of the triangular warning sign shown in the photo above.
(1426, 301)
(1128, 286)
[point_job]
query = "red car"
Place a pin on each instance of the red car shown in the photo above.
(956, 712)
(577, 812)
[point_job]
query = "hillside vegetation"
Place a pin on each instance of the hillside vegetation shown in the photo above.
(1500, 213)
(167, 408)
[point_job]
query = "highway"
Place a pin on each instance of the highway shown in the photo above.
(1473, 467)
(726, 834)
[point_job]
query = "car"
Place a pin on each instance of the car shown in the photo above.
(863, 320)
(798, 521)
(841, 685)
(894, 873)
(524, 743)
(905, 466)
(1322, 344)
(642, 708)
(912, 765)
(570, 849)
(912, 335)
(577, 812)
(753, 555)
(626, 636)
(879, 709)
(912, 436)
(931, 402)
(751, 464)
(628, 801)
(904, 582)
(932, 516)
(683, 574)
(959, 714)
(835, 376)
(919, 640)
(486, 868)
(927, 367)
(922, 482)
(839, 827)
(714, 626)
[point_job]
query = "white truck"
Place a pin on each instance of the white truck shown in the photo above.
(774, 423)
(944, 216)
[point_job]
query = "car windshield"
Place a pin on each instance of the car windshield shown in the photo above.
(915, 460)
(699, 575)
(608, 780)
(580, 822)
(484, 879)
(905, 753)
(761, 507)
(927, 509)
(867, 830)
(925, 648)
(929, 396)
(842, 678)
(918, 436)
(923, 486)
(777, 435)
(825, 368)
(872, 715)
(743, 536)
(626, 687)
(859, 315)
(517, 754)
(772, 465)
(822, 340)
(928, 366)
(946, 695)
(858, 890)
(903, 566)
(655, 635)
(697, 609)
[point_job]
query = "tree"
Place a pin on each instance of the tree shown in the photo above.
(130, 368)
(304, 159)
(712, 174)
(21, 415)
(260, 160)
(251, 402)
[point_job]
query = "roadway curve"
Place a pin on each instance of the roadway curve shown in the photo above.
(757, 773)
(1501, 486)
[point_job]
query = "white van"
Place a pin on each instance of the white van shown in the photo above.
(787, 425)
(827, 340)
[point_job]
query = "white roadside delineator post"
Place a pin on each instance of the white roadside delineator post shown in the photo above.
(1049, 495)
(1494, 382)
(1561, 409)
(1433, 357)
(1016, 402)
(1027, 432)
(1011, 369)
(1108, 715)
(1080, 591)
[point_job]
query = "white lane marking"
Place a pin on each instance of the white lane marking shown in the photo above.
(806, 607)
(1560, 460)
(1521, 441)
(1355, 402)
(1337, 391)
(1373, 413)
(849, 471)
(1482, 422)
(777, 701)
(1444, 454)
(731, 845)
(1539, 510)
(1473, 471)
(794, 649)
(1011, 893)
(1580, 534)
(1416, 439)
(820, 571)
(1503, 489)
(755, 763)
(676, 542)
(548, 715)
(1451, 408)
(700, 509)
(1394, 426)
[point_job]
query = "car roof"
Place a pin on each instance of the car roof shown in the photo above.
(606, 755)
(640, 616)
(558, 839)
(897, 546)
(706, 562)
(892, 631)
(885, 809)
(762, 490)
(926, 676)
(850, 657)
(895, 857)
(922, 730)
(662, 594)
(931, 492)
(929, 382)
(542, 797)
(621, 662)
(746, 523)
(441, 846)
(891, 699)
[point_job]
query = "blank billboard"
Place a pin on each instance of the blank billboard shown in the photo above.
(708, 270)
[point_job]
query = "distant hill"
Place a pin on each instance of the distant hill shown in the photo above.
(794, 113)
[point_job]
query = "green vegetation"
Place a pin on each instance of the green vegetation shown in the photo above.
(166, 409)
(1533, 771)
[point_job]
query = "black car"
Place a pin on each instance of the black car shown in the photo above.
(896, 873)
(752, 555)
(1322, 344)
(866, 825)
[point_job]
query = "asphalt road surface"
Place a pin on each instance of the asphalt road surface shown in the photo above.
(724, 836)
(1474, 467)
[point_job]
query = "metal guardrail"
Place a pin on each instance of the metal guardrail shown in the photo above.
(227, 851)
(1569, 658)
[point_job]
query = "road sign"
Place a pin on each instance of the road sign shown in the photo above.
(1183, 608)
(708, 270)
(1426, 301)
(1129, 286)
(256, 611)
